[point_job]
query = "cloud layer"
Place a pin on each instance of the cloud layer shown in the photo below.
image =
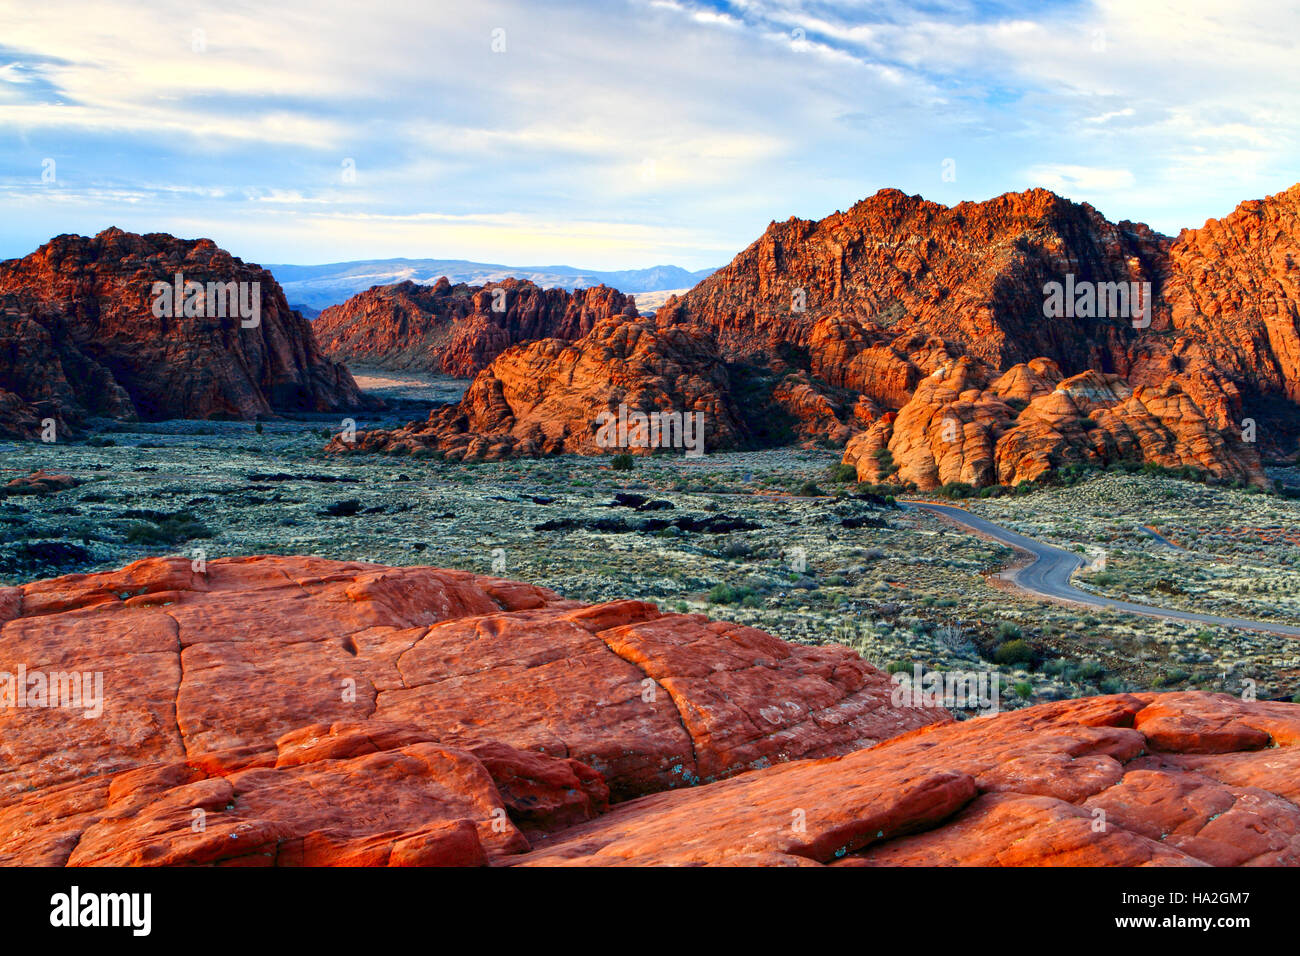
(621, 134)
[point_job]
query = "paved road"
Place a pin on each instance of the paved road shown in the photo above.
(1048, 575)
(1152, 533)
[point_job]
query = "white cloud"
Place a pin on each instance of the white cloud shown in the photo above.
(755, 111)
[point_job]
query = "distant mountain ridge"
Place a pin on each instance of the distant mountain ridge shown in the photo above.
(321, 286)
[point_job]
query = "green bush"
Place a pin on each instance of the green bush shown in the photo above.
(1169, 678)
(170, 530)
(1007, 630)
(810, 490)
(1015, 653)
(726, 594)
(842, 473)
(622, 462)
(1024, 690)
(956, 489)
(885, 459)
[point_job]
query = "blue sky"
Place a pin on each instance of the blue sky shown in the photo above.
(621, 133)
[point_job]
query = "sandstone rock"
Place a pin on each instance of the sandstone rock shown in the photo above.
(972, 275)
(867, 311)
(547, 397)
(966, 424)
(39, 483)
(333, 712)
(495, 723)
(877, 298)
(458, 329)
(79, 338)
(817, 413)
(1066, 783)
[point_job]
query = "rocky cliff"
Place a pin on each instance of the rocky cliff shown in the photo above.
(84, 332)
(552, 396)
(458, 329)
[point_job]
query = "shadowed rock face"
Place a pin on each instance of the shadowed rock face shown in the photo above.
(313, 712)
(458, 329)
(546, 397)
(79, 338)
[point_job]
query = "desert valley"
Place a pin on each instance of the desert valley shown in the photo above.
(915, 535)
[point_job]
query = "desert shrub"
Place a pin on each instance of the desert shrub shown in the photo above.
(809, 489)
(842, 473)
(1007, 630)
(898, 667)
(1090, 671)
(1014, 653)
(956, 489)
(171, 529)
(726, 594)
(885, 459)
(1024, 690)
(622, 462)
(736, 548)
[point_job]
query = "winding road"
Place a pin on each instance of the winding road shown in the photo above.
(1048, 575)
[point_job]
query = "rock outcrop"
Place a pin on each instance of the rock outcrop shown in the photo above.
(80, 337)
(1131, 780)
(38, 483)
(840, 331)
(458, 329)
(299, 711)
(965, 423)
(877, 298)
(552, 396)
(896, 266)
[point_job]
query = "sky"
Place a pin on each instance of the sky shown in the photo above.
(618, 134)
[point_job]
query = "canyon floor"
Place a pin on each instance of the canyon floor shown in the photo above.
(763, 538)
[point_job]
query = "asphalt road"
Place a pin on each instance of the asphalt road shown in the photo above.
(1048, 576)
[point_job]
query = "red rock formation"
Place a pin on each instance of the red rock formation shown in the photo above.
(816, 412)
(876, 298)
(963, 425)
(897, 265)
(38, 483)
(458, 329)
(1233, 299)
(1129, 780)
(546, 397)
(79, 337)
(328, 712)
(871, 304)
(296, 711)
